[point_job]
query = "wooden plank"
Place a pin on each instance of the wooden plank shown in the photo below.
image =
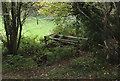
(59, 35)
(64, 42)
(84, 38)
(73, 37)
(51, 34)
(67, 36)
(56, 39)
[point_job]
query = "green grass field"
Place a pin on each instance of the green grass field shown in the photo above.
(32, 29)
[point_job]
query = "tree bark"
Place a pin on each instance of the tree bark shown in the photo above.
(12, 22)
(14, 29)
(20, 24)
(6, 19)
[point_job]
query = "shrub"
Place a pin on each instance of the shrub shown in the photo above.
(84, 63)
(19, 63)
(67, 30)
(30, 46)
(60, 53)
(107, 56)
(84, 45)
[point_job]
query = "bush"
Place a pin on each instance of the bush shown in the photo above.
(85, 63)
(19, 63)
(67, 30)
(107, 56)
(31, 50)
(60, 53)
(30, 46)
(84, 45)
(90, 65)
(89, 62)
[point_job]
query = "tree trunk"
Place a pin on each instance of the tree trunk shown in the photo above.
(6, 19)
(14, 29)
(12, 22)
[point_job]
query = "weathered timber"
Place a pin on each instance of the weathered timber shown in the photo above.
(63, 42)
(73, 37)
(51, 34)
(57, 39)
(62, 38)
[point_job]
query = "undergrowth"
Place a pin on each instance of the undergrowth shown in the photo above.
(34, 54)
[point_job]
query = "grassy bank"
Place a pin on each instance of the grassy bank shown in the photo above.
(32, 28)
(44, 26)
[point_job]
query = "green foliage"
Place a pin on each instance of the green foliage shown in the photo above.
(19, 63)
(30, 46)
(61, 14)
(55, 9)
(60, 53)
(31, 51)
(65, 29)
(36, 49)
(109, 56)
(56, 73)
(93, 67)
(83, 67)
(85, 63)
(88, 63)
(92, 31)
(83, 45)
(70, 21)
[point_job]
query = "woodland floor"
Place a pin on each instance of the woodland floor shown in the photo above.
(41, 72)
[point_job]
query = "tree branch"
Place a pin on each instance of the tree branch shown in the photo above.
(88, 17)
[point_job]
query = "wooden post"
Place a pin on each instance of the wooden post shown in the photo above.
(45, 38)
